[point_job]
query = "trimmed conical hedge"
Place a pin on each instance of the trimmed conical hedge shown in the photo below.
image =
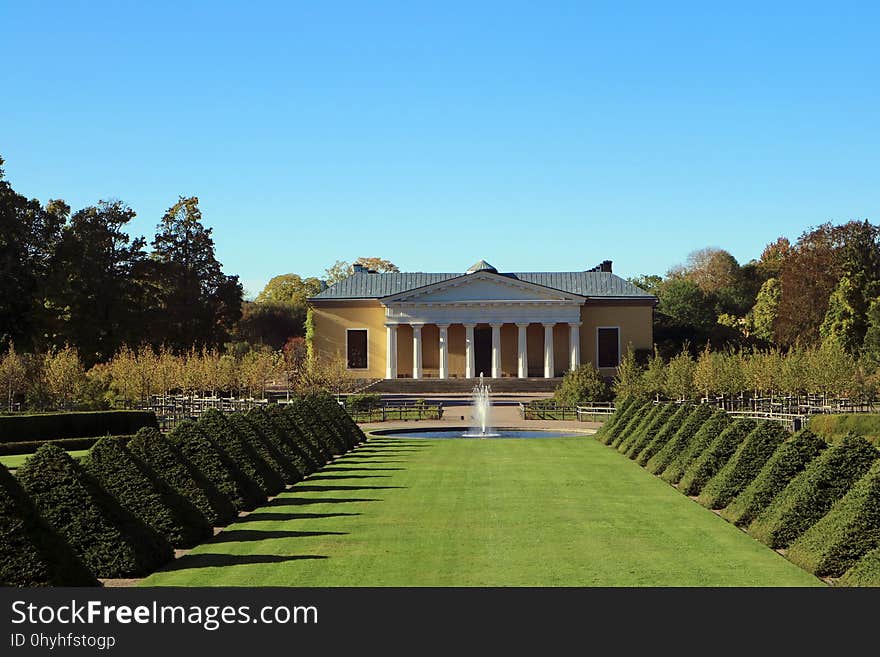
(705, 435)
(177, 471)
(109, 540)
(713, 458)
(31, 552)
(848, 531)
(274, 449)
(639, 420)
(620, 410)
(216, 465)
(788, 460)
(682, 438)
(646, 432)
(811, 493)
(866, 571)
(624, 416)
(140, 490)
(745, 464)
(309, 431)
(665, 433)
(285, 422)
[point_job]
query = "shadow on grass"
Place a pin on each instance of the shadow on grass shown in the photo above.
(333, 477)
(243, 535)
(364, 460)
(189, 561)
(305, 488)
(273, 517)
(303, 501)
(334, 468)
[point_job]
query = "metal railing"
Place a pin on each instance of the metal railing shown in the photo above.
(400, 411)
(548, 410)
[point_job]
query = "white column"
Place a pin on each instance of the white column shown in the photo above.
(574, 345)
(417, 350)
(548, 351)
(469, 351)
(522, 357)
(391, 351)
(496, 351)
(444, 350)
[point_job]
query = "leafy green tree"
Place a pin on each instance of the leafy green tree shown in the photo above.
(628, 379)
(270, 323)
(680, 371)
(766, 309)
(200, 304)
(650, 283)
(686, 304)
(341, 269)
(289, 289)
(654, 378)
(13, 375)
(581, 385)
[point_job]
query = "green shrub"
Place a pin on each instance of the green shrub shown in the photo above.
(278, 430)
(705, 435)
(140, 490)
(665, 433)
(67, 444)
(620, 409)
(308, 429)
(363, 402)
(811, 493)
(284, 418)
(182, 475)
(226, 436)
(635, 412)
(835, 427)
(642, 437)
(713, 458)
(327, 410)
(637, 426)
(745, 464)
(31, 552)
(679, 442)
(316, 406)
(275, 450)
(216, 465)
(88, 424)
(866, 571)
(580, 385)
(345, 422)
(109, 540)
(789, 459)
(848, 531)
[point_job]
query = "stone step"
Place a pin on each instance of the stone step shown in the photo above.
(424, 386)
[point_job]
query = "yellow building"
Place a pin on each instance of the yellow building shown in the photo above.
(434, 325)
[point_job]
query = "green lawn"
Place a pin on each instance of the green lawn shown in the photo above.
(14, 461)
(542, 512)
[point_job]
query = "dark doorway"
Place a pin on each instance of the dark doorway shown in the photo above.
(483, 351)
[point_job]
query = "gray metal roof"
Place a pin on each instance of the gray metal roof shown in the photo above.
(584, 283)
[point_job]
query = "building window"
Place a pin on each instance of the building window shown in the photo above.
(356, 348)
(608, 346)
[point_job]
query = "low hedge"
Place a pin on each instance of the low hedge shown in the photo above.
(658, 414)
(835, 427)
(745, 464)
(31, 552)
(619, 411)
(315, 408)
(274, 430)
(182, 475)
(810, 494)
(665, 433)
(264, 453)
(344, 420)
(52, 426)
(308, 431)
(705, 435)
(284, 419)
(264, 440)
(788, 460)
(848, 531)
(623, 417)
(67, 444)
(242, 491)
(866, 571)
(109, 540)
(239, 448)
(140, 490)
(682, 438)
(713, 458)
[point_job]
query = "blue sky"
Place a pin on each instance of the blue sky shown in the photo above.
(536, 135)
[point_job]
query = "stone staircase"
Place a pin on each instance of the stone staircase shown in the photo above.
(451, 386)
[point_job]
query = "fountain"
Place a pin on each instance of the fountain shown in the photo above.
(482, 412)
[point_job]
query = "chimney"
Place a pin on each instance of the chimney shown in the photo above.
(605, 266)
(358, 269)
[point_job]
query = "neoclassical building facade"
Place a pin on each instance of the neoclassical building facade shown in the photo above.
(462, 325)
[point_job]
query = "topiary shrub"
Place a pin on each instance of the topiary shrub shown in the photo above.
(811, 493)
(226, 436)
(276, 451)
(309, 431)
(216, 465)
(67, 444)
(259, 447)
(665, 433)
(182, 475)
(275, 426)
(682, 438)
(705, 435)
(790, 458)
(646, 434)
(713, 458)
(109, 540)
(849, 530)
(79, 424)
(620, 408)
(866, 571)
(285, 421)
(317, 408)
(745, 464)
(621, 416)
(628, 421)
(331, 412)
(31, 552)
(349, 424)
(138, 488)
(638, 425)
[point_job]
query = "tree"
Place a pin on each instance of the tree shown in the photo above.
(766, 309)
(200, 304)
(712, 269)
(580, 385)
(271, 324)
(679, 382)
(340, 269)
(64, 375)
(628, 379)
(377, 264)
(13, 375)
(654, 378)
(289, 289)
(684, 302)
(650, 283)
(773, 257)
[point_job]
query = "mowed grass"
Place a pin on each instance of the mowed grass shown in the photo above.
(14, 461)
(521, 512)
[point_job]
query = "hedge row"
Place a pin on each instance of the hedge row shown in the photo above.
(121, 510)
(665, 433)
(624, 409)
(633, 444)
(713, 458)
(811, 493)
(52, 426)
(834, 427)
(679, 442)
(645, 413)
(745, 464)
(788, 460)
(866, 571)
(705, 434)
(67, 444)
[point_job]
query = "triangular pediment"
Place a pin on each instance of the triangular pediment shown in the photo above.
(481, 286)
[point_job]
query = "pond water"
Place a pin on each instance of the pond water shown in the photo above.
(467, 433)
